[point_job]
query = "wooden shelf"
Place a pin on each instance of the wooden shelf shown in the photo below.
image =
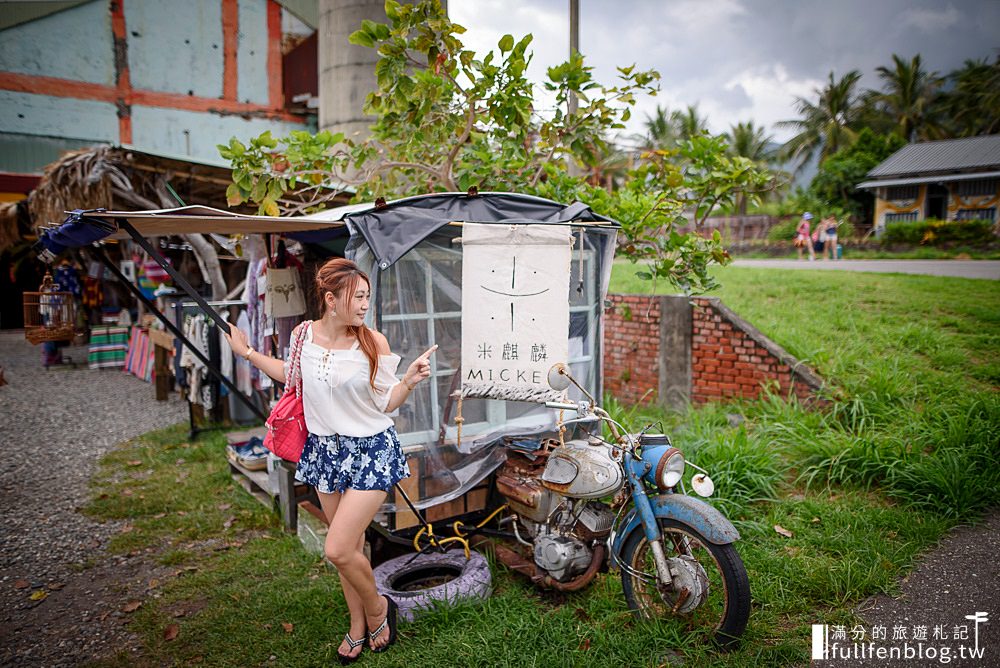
(257, 483)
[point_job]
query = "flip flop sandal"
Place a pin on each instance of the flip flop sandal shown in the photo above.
(390, 621)
(346, 659)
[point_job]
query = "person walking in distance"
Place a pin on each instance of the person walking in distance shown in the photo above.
(802, 237)
(352, 454)
(829, 226)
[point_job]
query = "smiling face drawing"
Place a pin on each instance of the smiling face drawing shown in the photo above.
(513, 292)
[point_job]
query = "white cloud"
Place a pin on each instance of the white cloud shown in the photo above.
(931, 20)
(737, 60)
(700, 16)
(772, 92)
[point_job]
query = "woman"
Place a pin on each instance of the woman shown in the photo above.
(352, 455)
(829, 226)
(802, 237)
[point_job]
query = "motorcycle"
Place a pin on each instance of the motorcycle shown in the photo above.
(586, 504)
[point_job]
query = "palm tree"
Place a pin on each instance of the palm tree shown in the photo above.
(826, 126)
(659, 130)
(973, 105)
(911, 97)
(688, 123)
(666, 129)
(751, 142)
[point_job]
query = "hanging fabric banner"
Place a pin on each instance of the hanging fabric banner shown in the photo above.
(515, 309)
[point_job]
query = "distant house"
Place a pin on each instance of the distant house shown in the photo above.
(954, 179)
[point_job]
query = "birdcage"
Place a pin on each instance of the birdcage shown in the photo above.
(49, 314)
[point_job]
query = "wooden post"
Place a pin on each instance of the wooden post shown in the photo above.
(286, 496)
(161, 371)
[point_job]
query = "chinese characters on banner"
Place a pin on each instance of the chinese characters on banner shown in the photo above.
(515, 309)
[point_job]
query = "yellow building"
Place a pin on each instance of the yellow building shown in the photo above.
(953, 179)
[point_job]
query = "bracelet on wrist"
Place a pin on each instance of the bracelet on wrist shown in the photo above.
(250, 351)
(409, 388)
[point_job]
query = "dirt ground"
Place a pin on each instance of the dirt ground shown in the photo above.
(64, 598)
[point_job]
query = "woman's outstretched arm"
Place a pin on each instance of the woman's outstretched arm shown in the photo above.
(273, 367)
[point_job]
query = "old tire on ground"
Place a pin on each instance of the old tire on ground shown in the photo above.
(419, 582)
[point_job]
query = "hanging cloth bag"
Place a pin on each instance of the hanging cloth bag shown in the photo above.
(286, 425)
(284, 298)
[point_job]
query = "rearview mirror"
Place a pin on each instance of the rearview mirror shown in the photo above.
(558, 377)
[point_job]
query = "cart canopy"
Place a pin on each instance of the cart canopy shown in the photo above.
(390, 230)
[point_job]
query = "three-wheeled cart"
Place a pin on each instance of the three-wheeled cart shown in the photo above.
(412, 249)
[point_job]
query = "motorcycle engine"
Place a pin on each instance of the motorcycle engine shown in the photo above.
(561, 557)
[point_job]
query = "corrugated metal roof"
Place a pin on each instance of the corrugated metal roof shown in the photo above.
(941, 156)
(934, 178)
(29, 154)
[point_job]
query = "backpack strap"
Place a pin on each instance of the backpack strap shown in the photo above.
(295, 358)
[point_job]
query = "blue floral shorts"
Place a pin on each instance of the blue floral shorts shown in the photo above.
(335, 463)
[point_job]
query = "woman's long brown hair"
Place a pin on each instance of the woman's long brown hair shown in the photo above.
(341, 277)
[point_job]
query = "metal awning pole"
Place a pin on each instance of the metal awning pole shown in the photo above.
(180, 280)
(173, 329)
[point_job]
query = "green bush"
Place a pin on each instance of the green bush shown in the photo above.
(933, 232)
(846, 230)
(783, 231)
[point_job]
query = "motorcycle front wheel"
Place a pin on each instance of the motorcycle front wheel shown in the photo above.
(716, 592)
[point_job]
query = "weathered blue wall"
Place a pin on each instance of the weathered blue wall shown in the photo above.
(252, 52)
(174, 46)
(72, 44)
(29, 114)
(178, 48)
(162, 131)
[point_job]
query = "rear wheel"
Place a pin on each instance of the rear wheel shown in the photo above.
(712, 593)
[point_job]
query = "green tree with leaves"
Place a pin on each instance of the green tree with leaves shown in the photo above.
(826, 125)
(447, 119)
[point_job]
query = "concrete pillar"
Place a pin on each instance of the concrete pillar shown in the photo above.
(675, 351)
(346, 71)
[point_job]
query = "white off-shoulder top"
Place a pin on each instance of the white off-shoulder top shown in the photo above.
(336, 395)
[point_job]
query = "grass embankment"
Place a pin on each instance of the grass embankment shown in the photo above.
(919, 253)
(907, 449)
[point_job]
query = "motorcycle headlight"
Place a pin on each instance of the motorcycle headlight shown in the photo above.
(670, 469)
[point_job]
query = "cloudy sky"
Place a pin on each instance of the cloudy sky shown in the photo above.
(739, 59)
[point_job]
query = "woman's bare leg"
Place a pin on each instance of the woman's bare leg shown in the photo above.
(358, 627)
(354, 513)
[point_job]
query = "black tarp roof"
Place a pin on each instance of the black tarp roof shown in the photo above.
(390, 229)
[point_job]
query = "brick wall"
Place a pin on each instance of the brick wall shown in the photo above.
(730, 358)
(632, 348)
(726, 357)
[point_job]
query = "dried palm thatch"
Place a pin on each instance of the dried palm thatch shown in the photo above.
(10, 233)
(79, 180)
(125, 179)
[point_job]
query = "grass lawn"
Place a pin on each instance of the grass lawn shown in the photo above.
(908, 448)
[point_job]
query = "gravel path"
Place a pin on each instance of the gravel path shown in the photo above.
(57, 423)
(950, 583)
